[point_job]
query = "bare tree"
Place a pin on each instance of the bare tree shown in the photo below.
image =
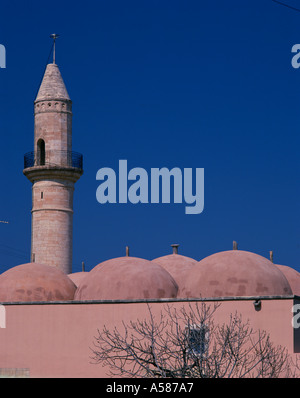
(185, 343)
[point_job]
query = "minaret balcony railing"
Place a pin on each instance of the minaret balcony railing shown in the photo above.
(53, 158)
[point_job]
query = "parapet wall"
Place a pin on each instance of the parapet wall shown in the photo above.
(54, 339)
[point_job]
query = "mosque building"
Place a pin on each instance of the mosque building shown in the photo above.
(53, 314)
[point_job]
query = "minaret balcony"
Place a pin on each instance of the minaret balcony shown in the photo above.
(53, 158)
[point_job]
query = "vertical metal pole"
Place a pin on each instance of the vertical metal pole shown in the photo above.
(54, 36)
(54, 50)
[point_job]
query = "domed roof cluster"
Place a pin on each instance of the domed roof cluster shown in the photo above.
(35, 282)
(292, 276)
(126, 278)
(178, 266)
(233, 273)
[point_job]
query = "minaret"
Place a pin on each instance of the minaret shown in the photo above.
(53, 170)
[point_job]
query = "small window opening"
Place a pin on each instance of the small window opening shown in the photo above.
(42, 195)
(41, 153)
(198, 340)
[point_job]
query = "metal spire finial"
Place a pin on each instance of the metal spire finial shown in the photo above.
(54, 36)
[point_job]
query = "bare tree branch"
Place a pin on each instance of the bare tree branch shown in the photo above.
(185, 342)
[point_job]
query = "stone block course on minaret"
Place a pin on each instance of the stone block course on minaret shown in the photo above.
(53, 170)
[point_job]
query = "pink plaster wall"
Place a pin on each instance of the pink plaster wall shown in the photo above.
(53, 340)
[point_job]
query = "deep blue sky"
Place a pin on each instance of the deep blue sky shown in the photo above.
(162, 84)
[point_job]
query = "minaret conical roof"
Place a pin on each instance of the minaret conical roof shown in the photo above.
(52, 86)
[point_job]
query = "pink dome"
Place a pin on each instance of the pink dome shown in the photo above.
(77, 277)
(126, 278)
(178, 267)
(235, 273)
(35, 282)
(292, 276)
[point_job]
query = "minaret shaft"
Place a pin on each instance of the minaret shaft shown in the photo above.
(52, 223)
(53, 170)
